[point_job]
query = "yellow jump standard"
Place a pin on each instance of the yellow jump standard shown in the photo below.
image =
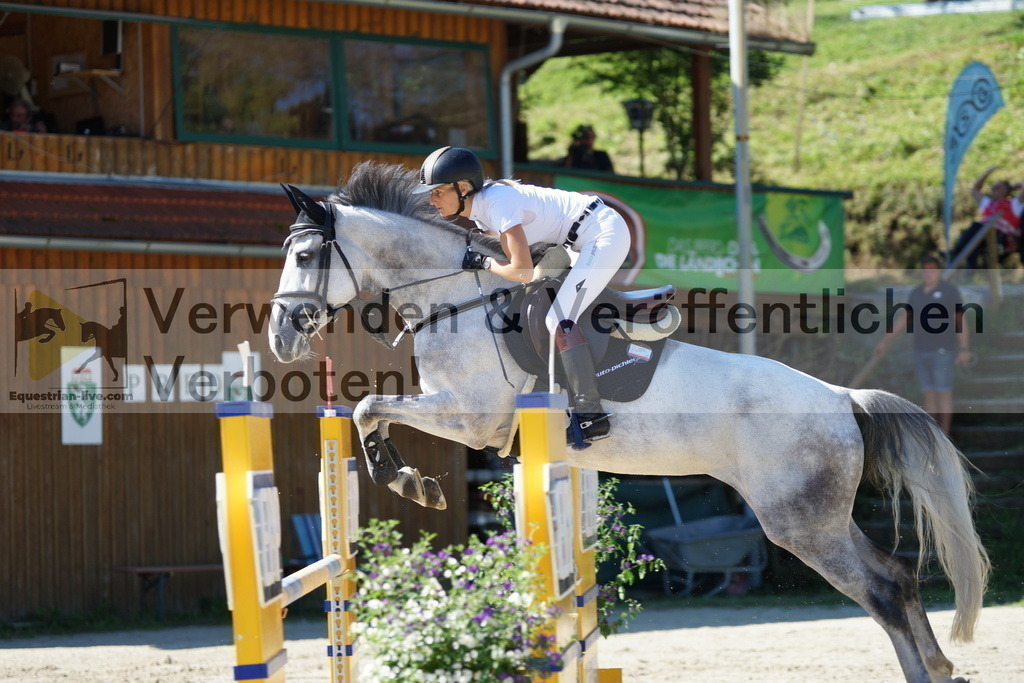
(556, 506)
(250, 536)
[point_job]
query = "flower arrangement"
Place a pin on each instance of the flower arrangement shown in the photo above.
(470, 612)
(464, 613)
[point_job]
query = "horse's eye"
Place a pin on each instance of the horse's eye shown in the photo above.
(303, 256)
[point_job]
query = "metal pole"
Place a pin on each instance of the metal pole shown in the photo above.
(558, 25)
(642, 174)
(738, 70)
(802, 95)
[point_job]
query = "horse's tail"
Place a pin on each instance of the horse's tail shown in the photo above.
(905, 449)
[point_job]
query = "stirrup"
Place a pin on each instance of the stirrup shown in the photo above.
(579, 439)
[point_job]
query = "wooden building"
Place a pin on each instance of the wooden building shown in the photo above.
(167, 125)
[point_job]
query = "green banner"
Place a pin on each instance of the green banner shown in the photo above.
(689, 235)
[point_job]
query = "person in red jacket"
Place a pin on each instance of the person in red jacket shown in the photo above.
(999, 205)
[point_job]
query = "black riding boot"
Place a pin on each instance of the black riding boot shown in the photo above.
(574, 353)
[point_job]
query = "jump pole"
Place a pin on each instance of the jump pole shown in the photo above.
(249, 521)
(556, 506)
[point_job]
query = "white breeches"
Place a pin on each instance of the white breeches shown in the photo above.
(603, 245)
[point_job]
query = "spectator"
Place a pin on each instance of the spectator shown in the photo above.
(1006, 211)
(19, 119)
(582, 153)
(936, 321)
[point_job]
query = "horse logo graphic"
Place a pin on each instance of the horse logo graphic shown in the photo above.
(46, 325)
(110, 342)
(30, 323)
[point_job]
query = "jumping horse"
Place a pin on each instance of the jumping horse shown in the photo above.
(795, 447)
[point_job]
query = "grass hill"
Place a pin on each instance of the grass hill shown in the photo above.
(873, 124)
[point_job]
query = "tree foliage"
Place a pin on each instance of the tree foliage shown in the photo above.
(663, 75)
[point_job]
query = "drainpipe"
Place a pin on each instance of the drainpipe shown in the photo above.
(558, 25)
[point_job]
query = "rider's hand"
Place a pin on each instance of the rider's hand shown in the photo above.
(474, 260)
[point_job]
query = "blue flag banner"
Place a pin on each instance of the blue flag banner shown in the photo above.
(974, 98)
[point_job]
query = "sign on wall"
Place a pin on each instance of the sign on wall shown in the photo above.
(81, 414)
(689, 236)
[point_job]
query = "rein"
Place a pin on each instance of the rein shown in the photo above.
(318, 294)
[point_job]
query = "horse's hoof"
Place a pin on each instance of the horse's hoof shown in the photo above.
(435, 496)
(409, 484)
(379, 461)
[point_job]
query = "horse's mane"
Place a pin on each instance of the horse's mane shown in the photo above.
(389, 187)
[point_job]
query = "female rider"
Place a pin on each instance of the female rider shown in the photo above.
(521, 215)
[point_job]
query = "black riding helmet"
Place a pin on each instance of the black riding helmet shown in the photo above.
(450, 165)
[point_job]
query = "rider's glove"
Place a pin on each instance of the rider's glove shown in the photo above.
(474, 260)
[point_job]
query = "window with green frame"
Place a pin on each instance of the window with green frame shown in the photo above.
(254, 85)
(414, 94)
(276, 87)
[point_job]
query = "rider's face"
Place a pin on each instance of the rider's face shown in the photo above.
(445, 199)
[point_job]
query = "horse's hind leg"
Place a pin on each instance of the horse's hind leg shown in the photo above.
(386, 467)
(816, 527)
(110, 364)
(939, 667)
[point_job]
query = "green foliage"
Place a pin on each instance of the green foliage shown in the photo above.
(663, 75)
(875, 112)
(617, 544)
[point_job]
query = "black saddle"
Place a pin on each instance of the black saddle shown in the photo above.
(527, 338)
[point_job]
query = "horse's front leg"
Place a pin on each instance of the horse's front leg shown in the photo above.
(438, 414)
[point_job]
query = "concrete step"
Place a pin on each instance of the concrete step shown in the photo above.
(1005, 388)
(995, 461)
(986, 418)
(991, 486)
(985, 406)
(970, 437)
(1002, 361)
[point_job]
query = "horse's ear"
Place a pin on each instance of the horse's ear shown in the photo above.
(288, 190)
(308, 205)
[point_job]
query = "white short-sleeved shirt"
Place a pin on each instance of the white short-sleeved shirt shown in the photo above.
(546, 214)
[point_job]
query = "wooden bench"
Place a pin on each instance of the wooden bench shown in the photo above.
(156, 577)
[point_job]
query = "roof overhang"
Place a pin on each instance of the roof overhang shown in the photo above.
(155, 215)
(622, 29)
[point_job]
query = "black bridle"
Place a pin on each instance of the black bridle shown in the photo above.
(317, 295)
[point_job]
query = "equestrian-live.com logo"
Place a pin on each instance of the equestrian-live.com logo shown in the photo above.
(47, 330)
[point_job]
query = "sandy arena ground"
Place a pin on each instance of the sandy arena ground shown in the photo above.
(818, 644)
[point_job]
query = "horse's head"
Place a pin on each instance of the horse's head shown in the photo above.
(88, 333)
(317, 279)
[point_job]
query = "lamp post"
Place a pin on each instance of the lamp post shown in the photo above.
(640, 112)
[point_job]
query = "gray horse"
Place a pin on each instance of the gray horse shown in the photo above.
(794, 447)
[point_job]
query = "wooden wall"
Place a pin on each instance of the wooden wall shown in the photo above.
(201, 160)
(69, 515)
(145, 108)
